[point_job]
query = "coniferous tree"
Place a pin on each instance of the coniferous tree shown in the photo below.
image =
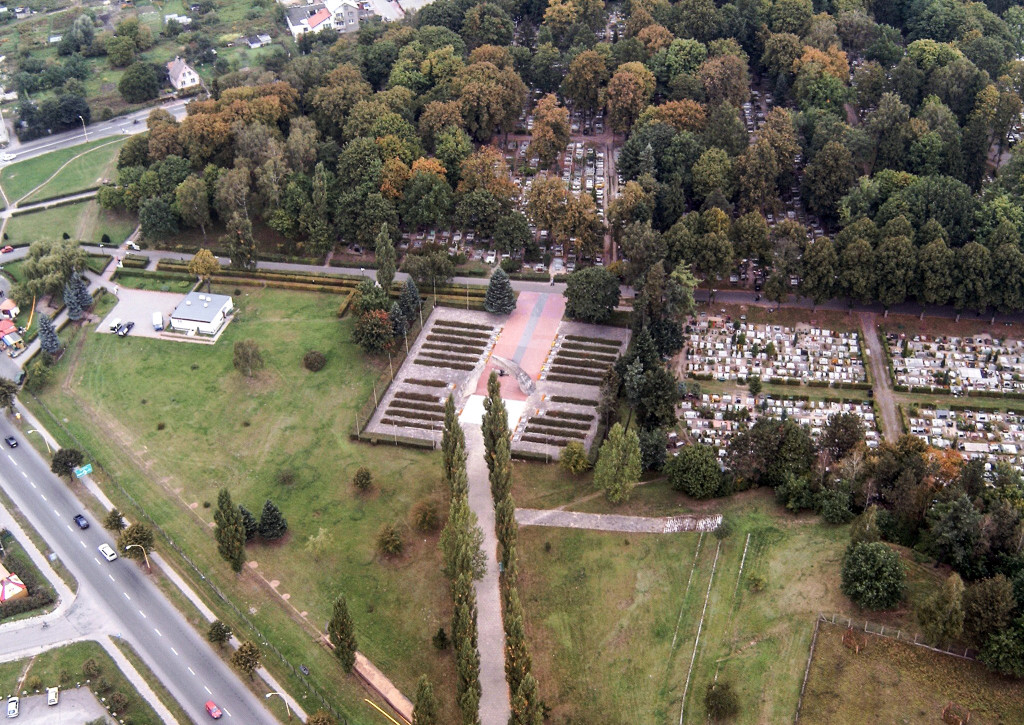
(342, 634)
(272, 522)
(500, 298)
(81, 287)
(385, 254)
(399, 326)
(218, 633)
(409, 301)
(495, 421)
(230, 531)
(526, 709)
(72, 302)
(249, 523)
(425, 710)
(48, 340)
(517, 659)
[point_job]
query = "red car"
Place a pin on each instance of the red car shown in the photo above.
(7, 249)
(212, 710)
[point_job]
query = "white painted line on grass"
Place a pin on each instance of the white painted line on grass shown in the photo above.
(700, 626)
(682, 604)
(739, 576)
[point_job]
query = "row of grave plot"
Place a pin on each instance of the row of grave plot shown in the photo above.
(555, 427)
(455, 344)
(580, 360)
(979, 364)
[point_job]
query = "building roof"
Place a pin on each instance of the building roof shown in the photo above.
(175, 69)
(321, 16)
(198, 307)
(302, 13)
(8, 304)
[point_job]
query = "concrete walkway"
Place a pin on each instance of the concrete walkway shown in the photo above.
(881, 384)
(495, 707)
(615, 522)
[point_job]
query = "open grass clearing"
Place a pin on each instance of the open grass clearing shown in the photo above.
(22, 177)
(898, 682)
(601, 615)
(85, 172)
(63, 667)
(221, 429)
(84, 221)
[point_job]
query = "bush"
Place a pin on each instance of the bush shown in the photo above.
(389, 541)
(756, 583)
(363, 479)
(118, 702)
(426, 518)
(90, 668)
(721, 701)
(872, 575)
(440, 639)
(286, 477)
(574, 458)
(695, 471)
(105, 239)
(314, 361)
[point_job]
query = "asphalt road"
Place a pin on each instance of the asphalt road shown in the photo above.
(130, 604)
(121, 125)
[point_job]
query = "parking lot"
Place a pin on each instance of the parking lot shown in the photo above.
(76, 707)
(138, 306)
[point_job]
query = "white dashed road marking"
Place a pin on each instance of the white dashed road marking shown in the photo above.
(112, 577)
(145, 617)
(126, 596)
(207, 690)
(157, 631)
(172, 648)
(190, 670)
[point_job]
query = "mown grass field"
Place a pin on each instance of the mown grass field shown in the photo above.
(221, 429)
(85, 172)
(83, 221)
(18, 179)
(602, 612)
(899, 683)
(62, 667)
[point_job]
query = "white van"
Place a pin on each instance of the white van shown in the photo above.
(12, 707)
(52, 696)
(158, 321)
(114, 324)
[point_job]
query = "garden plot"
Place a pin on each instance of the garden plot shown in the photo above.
(985, 434)
(718, 349)
(564, 406)
(714, 419)
(446, 359)
(957, 364)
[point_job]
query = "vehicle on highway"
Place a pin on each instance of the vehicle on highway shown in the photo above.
(12, 707)
(11, 441)
(212, 710)
(7, 249)
(81, 521)
(108, 553)
(8, 157)
(125, 329)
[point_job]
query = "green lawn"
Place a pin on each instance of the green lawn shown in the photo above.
(602, 611)
(84, 221)
(897, 682)
(82, 173)
(222, 429)
(22, 177)
(63, 667)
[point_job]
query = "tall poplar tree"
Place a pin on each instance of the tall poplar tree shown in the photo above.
(230, 531)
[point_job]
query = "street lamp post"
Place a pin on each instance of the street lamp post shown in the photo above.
(286, 708)
(139, 546)
(84, 131)
(48, 450)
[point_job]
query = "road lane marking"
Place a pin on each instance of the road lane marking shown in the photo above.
(172, 648)
(190, 670)
(24, 474)
(56, 513)
(157, 631)
(126, 596)
(83, 544)
(32, 484)
(145, 617)
(42, 497)
(12, 459)
(69, 527)
(96, 560)
(226, 712)
(112, 577)
(207, 690)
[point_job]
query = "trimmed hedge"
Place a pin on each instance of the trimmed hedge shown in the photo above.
(451, 348)
(425, 383)
(433, 355)
(581, 363)
(408, 423)
(543, 430)
(569, 415)
(416, 405)
(461, 335)
(544, 440)
(577, 372)
(584, 355)
(560, 378)
(438, 364)
(424, 397)
(594, 340)
(134, 261)
(413, 414)
(573, 401)
(558, 423)
(529, 276)
(466, 325)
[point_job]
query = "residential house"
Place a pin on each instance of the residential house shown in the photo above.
(347, 14)
(308, 19)
(202, 313)
(181, 74)
(258, 41)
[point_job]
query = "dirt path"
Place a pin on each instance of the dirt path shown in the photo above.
(885, 403)
(617, 522)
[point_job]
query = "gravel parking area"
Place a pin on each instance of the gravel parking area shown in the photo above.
(138, 306)
(76, 707)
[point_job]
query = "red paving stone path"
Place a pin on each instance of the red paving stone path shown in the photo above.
(541, 337)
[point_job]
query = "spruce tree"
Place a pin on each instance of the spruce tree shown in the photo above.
(48, 340)
(272, 522)
(385, 253)
(249, 522)
(410, 301)
(342, 634)
(230, 531)
(72, 302)
(425, 711)
(81, 286)
(526, 709)
(500, 298)
(399, 326)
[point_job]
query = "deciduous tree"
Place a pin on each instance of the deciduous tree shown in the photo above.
(591, 294)
(246, 659)
(618, 466)
(204, 265)
(247, 357)
(873, 576)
